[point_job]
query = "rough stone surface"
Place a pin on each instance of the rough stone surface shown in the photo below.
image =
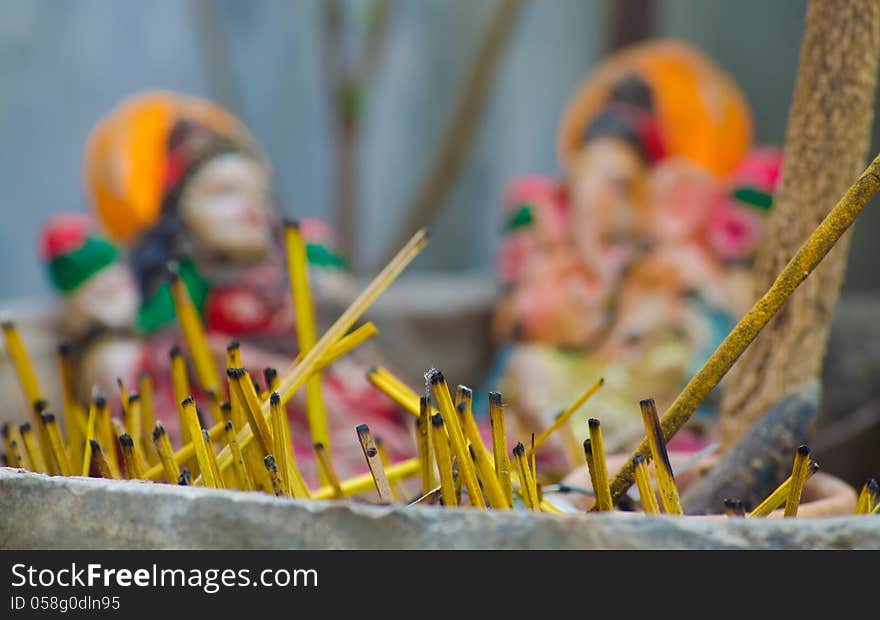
(41, 512)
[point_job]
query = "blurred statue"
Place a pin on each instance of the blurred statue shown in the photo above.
(176, 180)
(636, 263)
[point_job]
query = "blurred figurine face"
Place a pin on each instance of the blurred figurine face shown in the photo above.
(109, 298)
(681, 198)
(608, 182)
(227, 207)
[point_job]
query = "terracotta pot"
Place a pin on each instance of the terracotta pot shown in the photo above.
(824, 495)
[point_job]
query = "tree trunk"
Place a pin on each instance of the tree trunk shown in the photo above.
(827, 140)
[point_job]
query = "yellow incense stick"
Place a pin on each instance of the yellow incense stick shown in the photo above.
(244, 390)
(194, 334)
(191, 418)
(280, 451)
(134, 421)
(123, 397)
(662, 469)
(239, 468)
(56, 443)
(456, 436)
(591, 467)
(485, 467)
(306, 330)
(499, 444)
(329, 473)
(99, 468)
(32, 447)
(21, 362)
(405, 399)
(525, 477)
(212, 461)
(779, 495)
(383, 456)
(133, 470)
(91, 433)
(798, 477)
(181, 388)
(374, 461)
(533, 469)
(602, 490)
(148, 413)
(166, 457)
(801, 265)
(74, 416)
(106, 436)
(565, 416)
(42, 434)
(646, 489)
(233, 355)
(277, 483)
(425, 449)
(444, 462)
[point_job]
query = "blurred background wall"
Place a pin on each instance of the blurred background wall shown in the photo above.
(64, 63)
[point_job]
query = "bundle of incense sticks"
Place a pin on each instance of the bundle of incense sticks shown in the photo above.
(249, 446)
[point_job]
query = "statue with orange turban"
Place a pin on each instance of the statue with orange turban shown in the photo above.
(174, 180)
(634, 263)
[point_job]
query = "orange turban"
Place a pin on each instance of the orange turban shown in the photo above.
(701, 113)
(125, 159)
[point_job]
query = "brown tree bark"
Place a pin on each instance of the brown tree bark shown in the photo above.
(827, 141)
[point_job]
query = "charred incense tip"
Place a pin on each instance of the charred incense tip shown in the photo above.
(873, 486)
(126, 441)
(269, 374)
(318, 447)
(437, 420)
(730, 503)
(228, 426)
(290, 223)
(175, 351)
(424, 401)
(814, 467)
(4, 430)
(24, 427)
(134, 397)
(185, 478)
(465, 391)
(269, 462)
(495, 398)
(235, 373)
(426, 232)
(593, 423)
(461, 408)
(158, 431)
(206, 436)
(519, 449)
(601, 381)
(232, 346)
(588, 446)
(275, 399)
(226, 406)
(187, 401)
(434, 376)
(48, 418)
(99, 401)
(646, 403)
(638, 459)
(40, 405)
(803, 450)
(95, 446)
(7, 325)
(64, 348)
(362, 429)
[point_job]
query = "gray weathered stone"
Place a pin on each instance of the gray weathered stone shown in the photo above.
(42, 512)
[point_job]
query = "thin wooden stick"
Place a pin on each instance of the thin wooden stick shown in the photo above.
(374, 461)
(798, 477)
